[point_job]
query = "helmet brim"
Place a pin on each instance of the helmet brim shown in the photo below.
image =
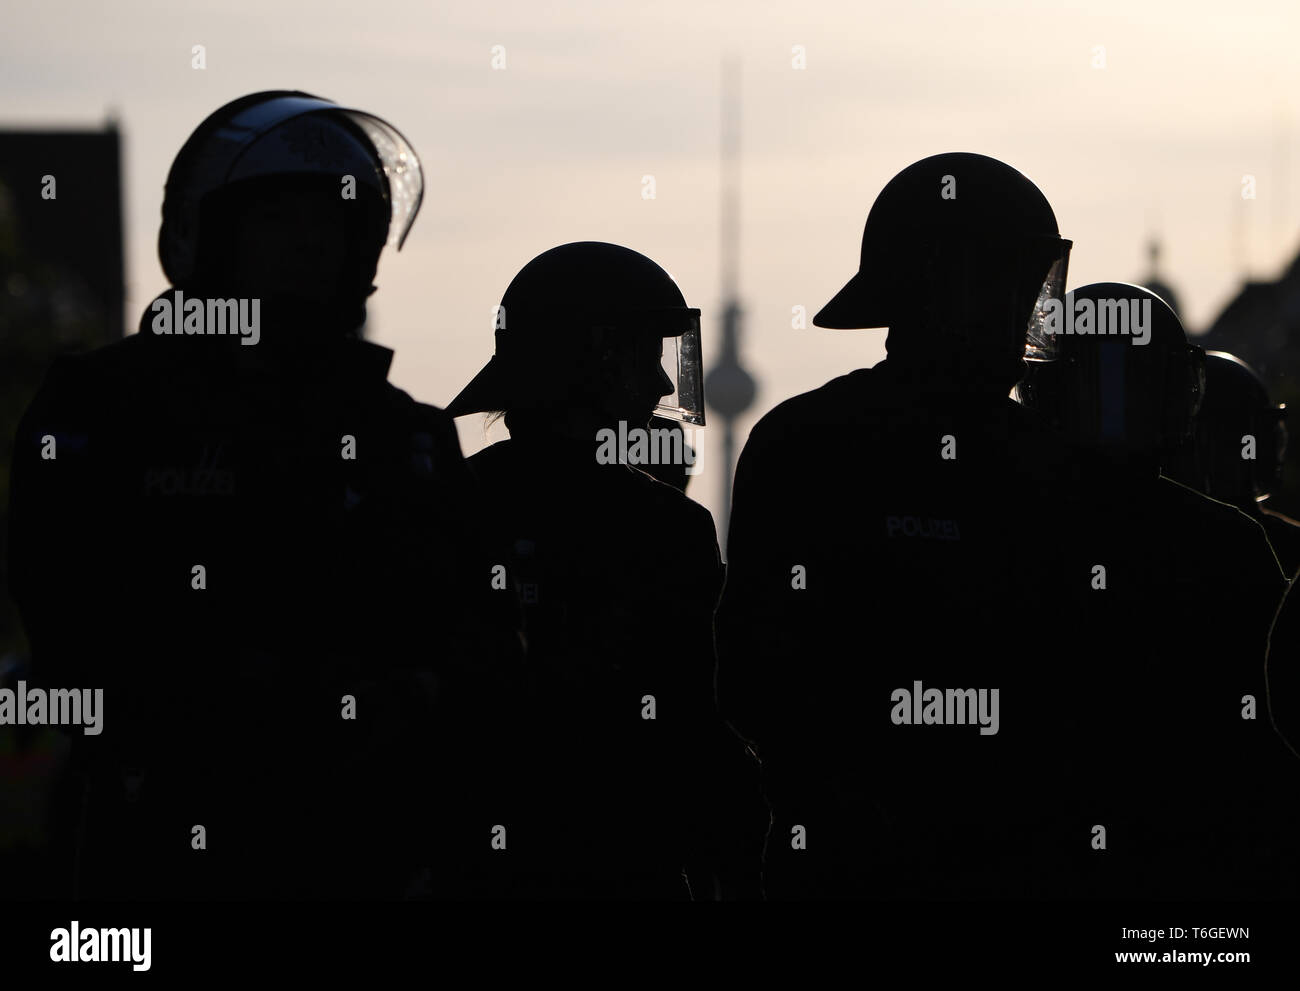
(488, 391)
(852, 308)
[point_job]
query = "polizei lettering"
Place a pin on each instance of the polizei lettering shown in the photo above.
(921, 526)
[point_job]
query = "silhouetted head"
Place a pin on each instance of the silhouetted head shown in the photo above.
(1239, 439)
(288, 198)
(1126, 383)
(958, 254)
(589, 327)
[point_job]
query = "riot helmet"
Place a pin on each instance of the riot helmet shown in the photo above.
(269, 147)
(1126, 381)
(586, 316)
(1239, 439)
(960, 255)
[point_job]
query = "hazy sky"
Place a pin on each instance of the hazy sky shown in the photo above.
(1192, 97)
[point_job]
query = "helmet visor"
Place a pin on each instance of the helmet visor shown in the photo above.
(683, 365)
(1040, 345)
(243, 147)
(401, 166)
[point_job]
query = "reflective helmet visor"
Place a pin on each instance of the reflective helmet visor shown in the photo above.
(302, 145)
(683, 364)
(1039, 344)
(674, 334)
(285, 134)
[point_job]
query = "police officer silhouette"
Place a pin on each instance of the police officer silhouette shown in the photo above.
(627, 779)
(1238, 449)
(1170, 595)
(260, 548)
(886, 535)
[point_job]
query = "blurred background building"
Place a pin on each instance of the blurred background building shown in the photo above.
(61, 272)
(1261, 326)
(61, 290)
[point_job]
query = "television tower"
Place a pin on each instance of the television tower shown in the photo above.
(728, 388)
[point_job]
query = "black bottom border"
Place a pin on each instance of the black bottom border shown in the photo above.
(614, 942)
